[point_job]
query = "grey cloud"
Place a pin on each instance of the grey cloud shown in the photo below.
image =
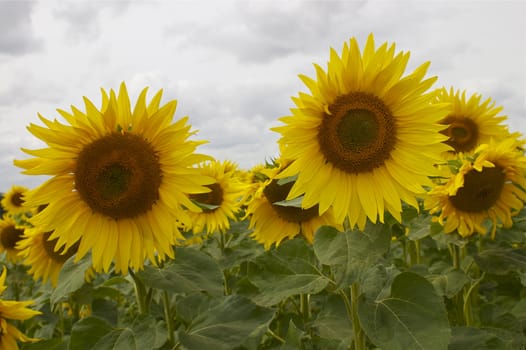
(265, 31)
(83, 18)
(18, 36)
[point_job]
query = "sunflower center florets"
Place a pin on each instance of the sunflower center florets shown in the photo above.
(49, 247)
(276, 193)
(358, 134)
(9, 236)
(17, 199)
(462, 132)
(481, 190)
(118, 175)
(214, 197)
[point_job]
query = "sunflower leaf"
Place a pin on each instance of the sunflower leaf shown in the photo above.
(287, 179)
(222, 322)
(296, 202)
(205, 206)
(396, 322)
(71, 278)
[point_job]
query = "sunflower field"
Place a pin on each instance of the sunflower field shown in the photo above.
(393, 218)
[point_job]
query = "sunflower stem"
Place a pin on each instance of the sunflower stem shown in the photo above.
(140, 293)
(168, 317)
(359, 338)
(305, 307)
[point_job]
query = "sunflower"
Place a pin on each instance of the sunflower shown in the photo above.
(490, 185)
(10, 234)
(222, 203)
(274, 219)
(14, 310)
(13, 200)
(40, 255)
(470, 122)
(352, 140)
(120, 178)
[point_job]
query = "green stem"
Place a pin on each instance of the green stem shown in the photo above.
(168, 317)
(305, 306)
(140, 293)
(417, 251)
(275, 336)
(468, 314)
(359, 336)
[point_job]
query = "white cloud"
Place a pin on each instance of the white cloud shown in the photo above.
(233, 65)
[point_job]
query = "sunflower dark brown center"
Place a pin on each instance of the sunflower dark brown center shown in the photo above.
(481, 190)
(118, 175)
(463, 133)
(359, 133)
(214, 197)
(276, 193)
(9, 236)
(49, 247)
(17, 199)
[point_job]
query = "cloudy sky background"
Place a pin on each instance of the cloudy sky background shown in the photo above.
(233, 65)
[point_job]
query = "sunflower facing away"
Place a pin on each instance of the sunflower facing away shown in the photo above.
(13, 310)
(470, 122)
(365, 138)
(490, 187)
(274, 222)
(13, 200)
(10, 235)
(120, 178)
(223, 201)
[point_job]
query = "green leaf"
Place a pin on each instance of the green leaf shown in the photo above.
(449, 283)
(287, 179)
(471, 338)
(296, 202)
(351, 253)
(225, 324)
(332, 322)
(290, 269)
(48, 344)
(500, 261)
(419, 228)
(412, 317)
(71, 278)
(86, 333)
(191, 271)
(293, 339)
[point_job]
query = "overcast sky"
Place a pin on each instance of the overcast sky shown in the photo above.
(233, 65)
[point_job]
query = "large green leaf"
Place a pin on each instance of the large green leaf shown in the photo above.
(71, 278)
(471, 338)
(449, 283)
(191, 271)
(289, 270)
(225, 324)
(350, 253)
(412, 317)
(500, 261)
(332, 322)
(96, 333)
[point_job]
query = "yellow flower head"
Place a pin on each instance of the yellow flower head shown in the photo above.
(366, 137)
(470, 122)
(120, 178)
(274, 219)
(42, 256)
(10, 235)
(489, 186)
(13, 200)
(222, 202)
(13, 310)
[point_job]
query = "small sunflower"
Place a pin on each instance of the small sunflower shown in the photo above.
(41, 256)
(352, 140)
(470, 122)
(120, 178)
(10, 234)
(273, 220)
(13, 310)
(222, 203)
(13, 200)
(489, 186)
